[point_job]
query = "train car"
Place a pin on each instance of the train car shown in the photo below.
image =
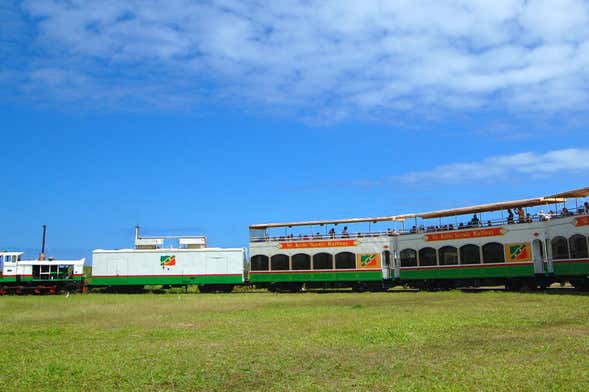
(529, 251)
(483, 245)
(18, 276)
(289, 262)
(151, 262)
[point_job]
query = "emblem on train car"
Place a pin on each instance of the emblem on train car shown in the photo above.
(461, 234)
(167, 261)
(518, 252)
(368, 261)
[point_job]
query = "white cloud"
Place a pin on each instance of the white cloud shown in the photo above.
(339, 56)
(506, 166)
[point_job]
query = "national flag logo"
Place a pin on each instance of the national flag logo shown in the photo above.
(167, 261)
(519, 252)
(367, 261)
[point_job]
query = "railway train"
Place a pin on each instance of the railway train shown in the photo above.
(521, 244)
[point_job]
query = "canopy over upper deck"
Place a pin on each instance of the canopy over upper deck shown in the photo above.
(263, 226)
(504, 205)
(575, 193)
(523, 203)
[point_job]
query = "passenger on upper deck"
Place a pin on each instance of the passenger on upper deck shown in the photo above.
(543, 216)
(521, 216)
(345, 232)
(332, 232)
(489, 223)
(509, 217)
(565, 212)
(475, 222)
(529, 218)
(389, 232)
(586, 207)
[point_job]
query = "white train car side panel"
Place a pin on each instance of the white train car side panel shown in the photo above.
(168, 266)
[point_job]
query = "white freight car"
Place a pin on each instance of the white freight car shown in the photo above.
(191, 263)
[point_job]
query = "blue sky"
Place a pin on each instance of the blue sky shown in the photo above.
(205, 117)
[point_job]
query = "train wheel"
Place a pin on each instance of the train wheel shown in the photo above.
(204, 288)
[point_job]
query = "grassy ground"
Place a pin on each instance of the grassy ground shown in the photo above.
(263, 341)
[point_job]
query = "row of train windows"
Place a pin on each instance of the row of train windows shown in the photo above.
(450, 255)
(301, 261)
(575, 248)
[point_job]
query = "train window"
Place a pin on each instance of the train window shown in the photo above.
(470, 254)
(322, 261)
(260, 263)
(345, 260)
(448, 255)
(279, 262)
(560, 248)
(427, 256)
(493, 253)
(301, 261)
(578, 245)
(408, 258)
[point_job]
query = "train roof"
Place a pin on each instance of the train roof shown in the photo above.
(261, 226)
(503, 205)
(575, 193)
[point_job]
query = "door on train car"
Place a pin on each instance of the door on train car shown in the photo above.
(386, 265)
(538, 257)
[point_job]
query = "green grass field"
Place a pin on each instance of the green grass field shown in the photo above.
(262, 341)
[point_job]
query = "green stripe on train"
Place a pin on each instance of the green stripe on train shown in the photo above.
(315, 276)
(510, 271)
(157, 280)
(571, 268)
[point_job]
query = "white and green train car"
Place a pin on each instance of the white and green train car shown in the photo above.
(212, 269)
(151, 263)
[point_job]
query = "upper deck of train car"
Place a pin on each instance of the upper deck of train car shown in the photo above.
(322, 233)
(540, 209)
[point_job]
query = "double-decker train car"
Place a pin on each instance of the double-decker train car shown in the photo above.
(531, 250)
(152, 262)
(329, 260)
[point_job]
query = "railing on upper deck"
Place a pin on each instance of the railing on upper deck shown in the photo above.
(539, 217)
(318, 237)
